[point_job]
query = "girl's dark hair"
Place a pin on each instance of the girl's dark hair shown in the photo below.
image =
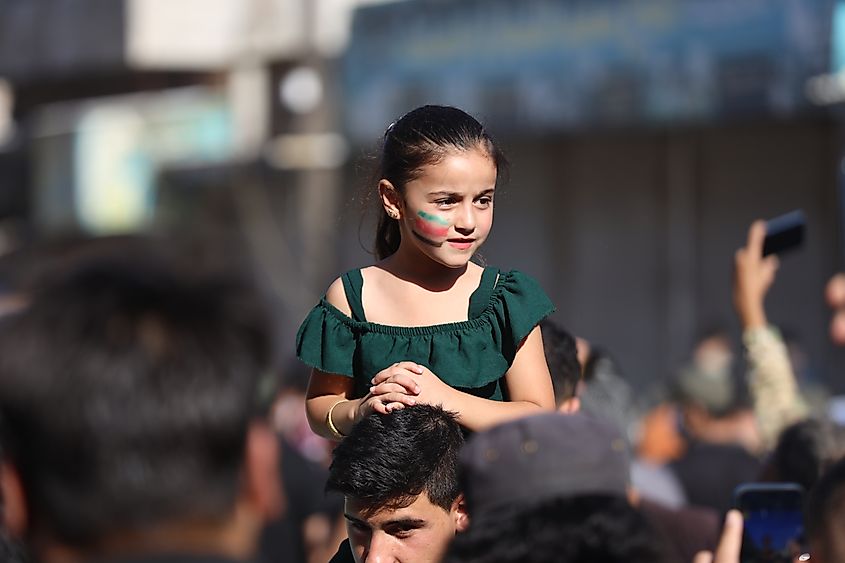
(421, 137)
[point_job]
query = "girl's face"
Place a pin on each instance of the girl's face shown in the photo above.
(447, 211)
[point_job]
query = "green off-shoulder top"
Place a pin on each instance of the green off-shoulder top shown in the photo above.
(471, 355)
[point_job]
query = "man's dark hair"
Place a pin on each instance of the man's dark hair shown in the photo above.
(562, 359)
(579, 529)
(126, 389)
(389, 459)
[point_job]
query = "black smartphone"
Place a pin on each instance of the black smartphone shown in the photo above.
(784, 232)
(773, 529)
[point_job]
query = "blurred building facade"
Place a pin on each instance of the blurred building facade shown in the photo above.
(644, 137)
(216, 118)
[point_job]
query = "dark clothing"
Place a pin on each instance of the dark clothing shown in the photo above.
(10, 551)
(709, 473)
(344, 553)
(303, 482)
(685, 531)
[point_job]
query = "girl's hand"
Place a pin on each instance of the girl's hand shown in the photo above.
(433, 390)
(393, 388)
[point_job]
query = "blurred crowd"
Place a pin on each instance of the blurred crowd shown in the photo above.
(154, 406)
(147, 414)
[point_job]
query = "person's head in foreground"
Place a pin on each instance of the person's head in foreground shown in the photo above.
(398, 475)
(550, 488)
(129, 392)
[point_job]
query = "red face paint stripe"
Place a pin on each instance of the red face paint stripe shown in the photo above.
(430, 230)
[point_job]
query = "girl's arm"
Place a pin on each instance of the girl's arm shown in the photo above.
(329, 391)
(528, 381)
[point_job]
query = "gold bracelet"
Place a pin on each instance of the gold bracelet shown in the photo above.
(336, 434)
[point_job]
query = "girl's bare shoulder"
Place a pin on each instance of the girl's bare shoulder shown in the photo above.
(336, 296)
(378, 276)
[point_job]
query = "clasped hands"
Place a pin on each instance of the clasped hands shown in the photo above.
(399, 385)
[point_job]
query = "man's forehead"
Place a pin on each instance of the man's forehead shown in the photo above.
(419, 508)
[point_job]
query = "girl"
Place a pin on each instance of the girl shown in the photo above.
(424, 324)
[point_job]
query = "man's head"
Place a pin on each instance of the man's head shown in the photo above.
(398, 474)
(550, 488)
(541, 457)
(562, 359)
(128, 398)
(576, 529)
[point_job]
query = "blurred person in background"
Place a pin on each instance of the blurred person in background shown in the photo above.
(606, 392)
(561, 352)
(438, 328)
(809, 452)
(290, 419)
(835, 297)
(804, 452)
(652, 489)
(133, 410)
(729, 426)
(551, 488)
(398, 475)
(721, 437)
(609, 397)
(660, 439)
(824, 523)
(311, 524)
(813, 392)
(773, 386)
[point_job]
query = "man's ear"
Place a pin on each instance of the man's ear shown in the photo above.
(13, 501)
(391, 200)
(570, 406)
(263, 489)
(460, 514)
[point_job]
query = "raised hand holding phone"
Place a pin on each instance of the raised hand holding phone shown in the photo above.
(753, 276)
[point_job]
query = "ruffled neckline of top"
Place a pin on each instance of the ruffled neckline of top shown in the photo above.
(503, 283)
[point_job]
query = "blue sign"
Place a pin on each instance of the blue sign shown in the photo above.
(552, 65)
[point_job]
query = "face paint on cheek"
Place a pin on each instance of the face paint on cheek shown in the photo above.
(431, 225)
